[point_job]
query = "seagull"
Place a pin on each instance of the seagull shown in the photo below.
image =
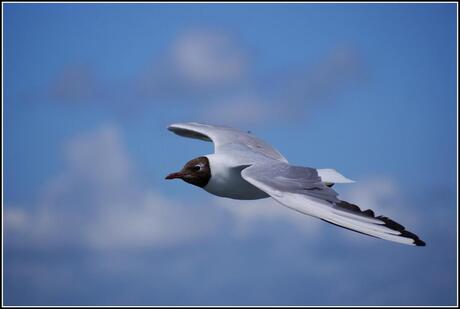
(244, 167)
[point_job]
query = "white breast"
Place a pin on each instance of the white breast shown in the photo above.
(226, 181)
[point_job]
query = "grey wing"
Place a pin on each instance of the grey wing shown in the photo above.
(301, 189)
(224, 136)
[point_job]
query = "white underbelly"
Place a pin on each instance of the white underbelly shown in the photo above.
(232, 185)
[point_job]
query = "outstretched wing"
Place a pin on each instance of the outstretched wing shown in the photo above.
(222, 136)
(301, 189)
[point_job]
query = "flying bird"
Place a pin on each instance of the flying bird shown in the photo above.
(244, 167)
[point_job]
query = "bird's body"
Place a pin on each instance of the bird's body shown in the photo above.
(226, 180)
(245, 168)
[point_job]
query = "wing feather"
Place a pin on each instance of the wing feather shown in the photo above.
(222, 136)
(301, 189)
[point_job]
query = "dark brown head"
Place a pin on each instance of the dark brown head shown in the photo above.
(196, 171)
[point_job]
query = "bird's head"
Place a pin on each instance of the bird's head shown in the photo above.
(196, 172)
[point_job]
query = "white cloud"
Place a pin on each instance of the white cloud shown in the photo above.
(248, 213)
(206, 57)
(98, 202)
(153, 222)
(380, 194)
(198, 66)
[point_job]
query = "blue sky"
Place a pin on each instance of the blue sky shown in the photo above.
(367, 89)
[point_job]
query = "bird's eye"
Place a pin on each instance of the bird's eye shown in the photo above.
(196, 168)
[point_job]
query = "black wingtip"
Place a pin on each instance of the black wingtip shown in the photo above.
(417, 241)
(387, 222)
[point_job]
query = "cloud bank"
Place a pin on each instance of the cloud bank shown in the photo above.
(98, 219)
(210, 76)
(98, 202)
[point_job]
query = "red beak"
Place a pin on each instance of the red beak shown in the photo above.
(174, 175)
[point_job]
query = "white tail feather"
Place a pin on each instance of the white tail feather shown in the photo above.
(329, 175)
